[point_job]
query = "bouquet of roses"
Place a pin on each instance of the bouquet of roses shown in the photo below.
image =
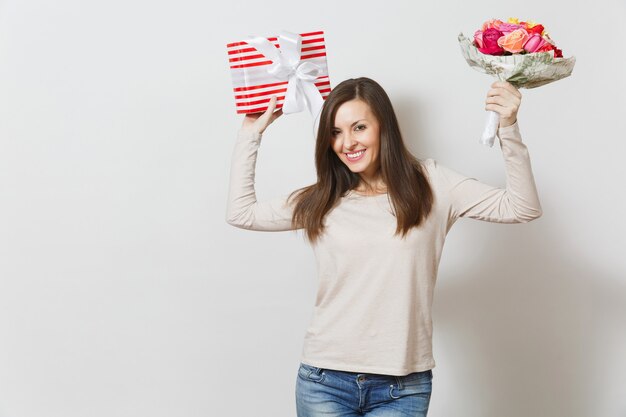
(521, 53)
(514, 37)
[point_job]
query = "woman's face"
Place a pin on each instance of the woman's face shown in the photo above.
(355, 138)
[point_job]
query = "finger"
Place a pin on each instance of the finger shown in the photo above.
(276, 115)
(504, 112)
(510, 104)
(502, 84)
(498, 100)
(504, 98)
(271, 107)
(500, 90)
(508, 87)
(505, 94)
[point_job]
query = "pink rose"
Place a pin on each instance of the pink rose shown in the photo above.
(490, 42)
(507, 28)
(514, 41)
(491, 24)
(534, 43)
(478, 38)
(546, 47)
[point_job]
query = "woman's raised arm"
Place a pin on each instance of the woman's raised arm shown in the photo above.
(518, 202)
(243, 209)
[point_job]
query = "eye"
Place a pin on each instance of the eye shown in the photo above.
(360, 127)
(334, 133)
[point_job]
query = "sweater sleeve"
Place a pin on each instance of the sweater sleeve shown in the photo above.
(243, 209)
(518, 202)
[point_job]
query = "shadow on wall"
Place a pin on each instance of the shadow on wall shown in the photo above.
(532, 328)
(530, 324)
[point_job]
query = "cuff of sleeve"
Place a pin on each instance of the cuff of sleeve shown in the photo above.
(510, 132)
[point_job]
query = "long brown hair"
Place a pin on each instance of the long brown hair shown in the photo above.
(407, 186)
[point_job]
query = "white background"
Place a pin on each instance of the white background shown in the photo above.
(123, 292)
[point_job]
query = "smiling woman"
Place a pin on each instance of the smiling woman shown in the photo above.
(358, 117)
(369, 342)
(357, 143)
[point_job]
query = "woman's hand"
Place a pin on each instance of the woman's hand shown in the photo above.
(504, 99)
(258, 122)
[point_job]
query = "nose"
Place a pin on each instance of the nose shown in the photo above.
(349, 142)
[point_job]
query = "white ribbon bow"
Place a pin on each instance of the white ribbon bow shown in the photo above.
(301, 89)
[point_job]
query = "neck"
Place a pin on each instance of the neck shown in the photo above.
(371, 184)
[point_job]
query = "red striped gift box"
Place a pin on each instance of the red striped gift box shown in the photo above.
(253, 86)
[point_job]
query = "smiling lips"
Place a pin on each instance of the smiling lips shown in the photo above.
(353, 157)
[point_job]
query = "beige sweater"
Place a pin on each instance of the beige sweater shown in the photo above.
(372, 313)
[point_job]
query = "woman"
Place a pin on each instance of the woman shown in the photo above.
(376, 218)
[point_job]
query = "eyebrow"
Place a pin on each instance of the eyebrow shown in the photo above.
(360, 120)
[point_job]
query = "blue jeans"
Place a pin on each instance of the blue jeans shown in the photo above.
(332, 393)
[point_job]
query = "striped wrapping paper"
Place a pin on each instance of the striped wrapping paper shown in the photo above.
(253, 86)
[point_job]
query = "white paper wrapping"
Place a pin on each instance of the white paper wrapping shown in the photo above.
(522, 70)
